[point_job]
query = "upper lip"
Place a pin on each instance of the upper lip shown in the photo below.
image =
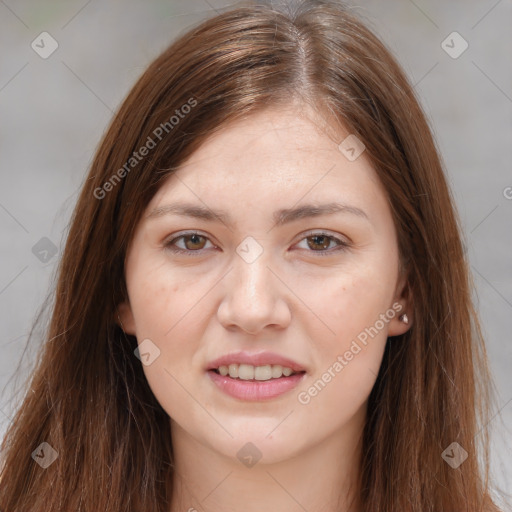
(259, 359)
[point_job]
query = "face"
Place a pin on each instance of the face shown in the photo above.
(254, 282)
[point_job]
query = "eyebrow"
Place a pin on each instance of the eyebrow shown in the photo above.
(280, 217)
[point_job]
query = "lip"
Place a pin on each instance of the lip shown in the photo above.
(253, 390)
(259, 359)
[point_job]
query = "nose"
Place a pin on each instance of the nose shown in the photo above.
(255, 298)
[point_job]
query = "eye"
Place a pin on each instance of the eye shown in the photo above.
(193, 242)
(320, 242)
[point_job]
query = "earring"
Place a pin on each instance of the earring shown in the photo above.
(403, 318)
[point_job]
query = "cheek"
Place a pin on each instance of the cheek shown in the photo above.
(162, 302)
(353, 339)
(168, 312)
(348, 359)
(351, 303)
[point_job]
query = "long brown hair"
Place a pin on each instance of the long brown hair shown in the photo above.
(88, 397)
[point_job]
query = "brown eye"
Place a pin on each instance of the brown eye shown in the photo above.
(319, 242)
(189, 243)
(196, 241)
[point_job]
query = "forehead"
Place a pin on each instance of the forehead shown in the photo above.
(275, 153)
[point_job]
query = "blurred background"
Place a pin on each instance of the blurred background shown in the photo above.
(65, 66)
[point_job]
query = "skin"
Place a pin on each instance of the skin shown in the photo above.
(293, 300)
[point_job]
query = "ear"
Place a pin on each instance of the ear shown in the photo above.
(125, 319)
(402, 304)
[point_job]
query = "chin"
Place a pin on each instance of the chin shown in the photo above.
(268, 445)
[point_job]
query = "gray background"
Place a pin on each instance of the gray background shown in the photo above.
(54, 111)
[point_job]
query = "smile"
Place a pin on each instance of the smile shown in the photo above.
(250, 372)
(255, 376)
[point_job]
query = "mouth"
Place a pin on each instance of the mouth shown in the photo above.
(255, 377)
(249, 372)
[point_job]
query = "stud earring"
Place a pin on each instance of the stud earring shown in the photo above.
(404, 318)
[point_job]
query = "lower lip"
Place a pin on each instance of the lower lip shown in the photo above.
(255, 390)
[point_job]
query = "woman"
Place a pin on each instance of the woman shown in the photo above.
(263, 299)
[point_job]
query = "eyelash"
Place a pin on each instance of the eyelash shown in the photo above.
(341, 244)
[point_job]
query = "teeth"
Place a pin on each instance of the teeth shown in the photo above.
(233, 370)
(277, 371)
(263, 372)
(250, 372)
(245, 372)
